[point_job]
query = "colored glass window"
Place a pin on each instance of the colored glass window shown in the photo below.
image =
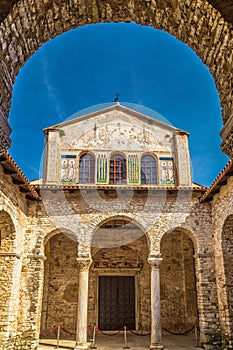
(117, 169)
(86, 169)
(148, 170)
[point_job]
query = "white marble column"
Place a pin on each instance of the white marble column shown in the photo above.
(156, 338)
(81, 332)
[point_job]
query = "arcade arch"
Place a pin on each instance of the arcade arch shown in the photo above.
(119, 280)
(59, 304)
(178, 282)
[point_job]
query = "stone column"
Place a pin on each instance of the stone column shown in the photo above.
(156, 338)
(81, 334)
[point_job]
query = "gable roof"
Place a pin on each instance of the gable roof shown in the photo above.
(116, 107)
(220, 181)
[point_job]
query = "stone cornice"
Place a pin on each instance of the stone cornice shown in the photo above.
(11, 254)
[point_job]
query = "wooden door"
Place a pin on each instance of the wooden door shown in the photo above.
(116, 302)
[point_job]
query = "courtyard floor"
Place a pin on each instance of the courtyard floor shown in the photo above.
(172, 342)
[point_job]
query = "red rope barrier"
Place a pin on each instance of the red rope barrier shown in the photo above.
(68, 332)
(116, 333)
(90, 330)
(43, 335)
(138, 334)
(182, 333)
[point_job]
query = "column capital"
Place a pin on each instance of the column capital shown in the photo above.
(155, 261)
(84, 263)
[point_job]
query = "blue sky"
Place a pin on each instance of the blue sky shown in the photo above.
(86, 66)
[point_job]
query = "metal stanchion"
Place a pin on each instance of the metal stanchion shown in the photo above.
(58, 337)
(93, 346)
(125, 338)
(197, 337)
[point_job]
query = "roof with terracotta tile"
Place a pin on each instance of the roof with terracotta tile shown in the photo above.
(220, 181)
(18, 177)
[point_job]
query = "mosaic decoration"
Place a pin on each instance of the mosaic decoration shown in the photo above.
(133, 168)
(102, 168)
(68, 169)
(167, 176)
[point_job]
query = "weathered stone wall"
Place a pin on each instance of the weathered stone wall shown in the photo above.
(178, 283)
(227, 248)
(13, 207)
(60, 285)
(197, 23)
(224, 8)
(11, 194)
(156, 213)
(222, 208)
(9, 267)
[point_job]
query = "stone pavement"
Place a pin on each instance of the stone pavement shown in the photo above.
(172, 342)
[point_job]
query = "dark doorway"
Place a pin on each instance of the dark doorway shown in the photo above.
(116, 302)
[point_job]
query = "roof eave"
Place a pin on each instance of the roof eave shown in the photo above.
(108, 109)
(219, 181)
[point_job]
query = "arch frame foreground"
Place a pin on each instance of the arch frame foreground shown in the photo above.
(32, 23)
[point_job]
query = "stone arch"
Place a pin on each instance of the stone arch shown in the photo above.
(57, 231)
(197, 24)
(7, 232)
(60, 289)
(120, 264)
(227, 253)
(178, 281)
(12, 212)
(101, 220)
(184, 230)
(10, 265)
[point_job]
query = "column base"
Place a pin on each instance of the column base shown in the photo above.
(156, 347)
(81, 346)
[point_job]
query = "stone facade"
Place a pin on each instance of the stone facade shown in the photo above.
(31, 23)
(116, 129)
(169, 238)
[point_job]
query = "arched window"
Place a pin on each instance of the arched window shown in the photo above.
(117, 169)
(86, 169)
(148, 170)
